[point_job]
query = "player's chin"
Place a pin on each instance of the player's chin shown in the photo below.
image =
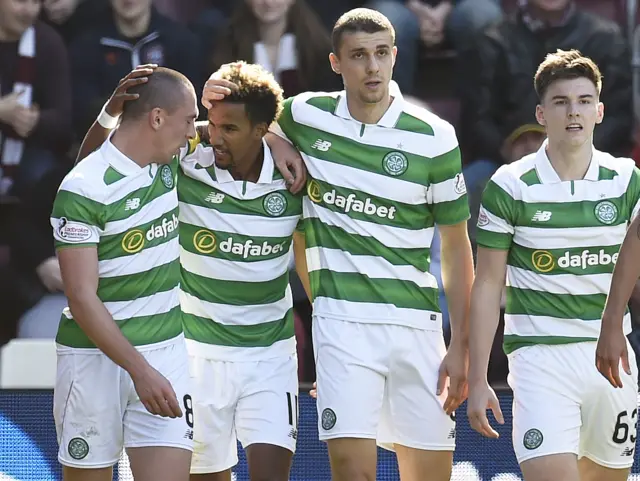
(222, 165)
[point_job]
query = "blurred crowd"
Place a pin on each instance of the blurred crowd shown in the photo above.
(470, 61)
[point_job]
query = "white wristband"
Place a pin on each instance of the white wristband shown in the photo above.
(107, 121)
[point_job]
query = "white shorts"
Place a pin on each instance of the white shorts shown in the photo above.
(251, 402)
(562, 404)
(379, 381)
(97, 410)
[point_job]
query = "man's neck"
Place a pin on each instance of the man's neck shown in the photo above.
(270, 34)
(570, 164)
(368, 113)
(134, 28)
(130, 141)
(252, 172)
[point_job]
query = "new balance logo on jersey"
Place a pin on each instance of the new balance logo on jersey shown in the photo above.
(628, 452)
(132, 204)
(541, 216)
(214, 198)
(293, 433)
(188, 434)
(321, 145)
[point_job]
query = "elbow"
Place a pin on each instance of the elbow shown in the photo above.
(79, 296)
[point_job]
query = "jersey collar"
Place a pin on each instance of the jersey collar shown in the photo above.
(390, 117)
(266, 174)
(118, 160)
(548, 175)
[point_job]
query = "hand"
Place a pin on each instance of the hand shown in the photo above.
(216, 89)
(610, 351)
(25, 120)
(49, 273)
(289, 162)
(156, 393)
(59, 11)
(137, 76)
(314, 391)
(481, 398)
(10, 105)
(454, 366)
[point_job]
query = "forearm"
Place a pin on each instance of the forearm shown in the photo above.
(300, 258)
(96, 322)
(457, 280)
(625, 276)
(483, 323)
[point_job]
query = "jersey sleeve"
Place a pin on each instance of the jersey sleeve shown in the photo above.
(285, 126)
(633, 193)
(447, 191)
(76, 215)
(496, 219)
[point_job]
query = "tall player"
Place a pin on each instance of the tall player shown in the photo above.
(122, 373)
(382, 172)
(553, 222)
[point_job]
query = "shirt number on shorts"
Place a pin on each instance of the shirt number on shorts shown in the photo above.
(188, 410)
(621, 429)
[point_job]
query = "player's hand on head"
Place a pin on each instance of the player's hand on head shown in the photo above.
(120, 95)
(481, 398)
(216, 89)
(156, 394)
(454, 367)
(611, 351)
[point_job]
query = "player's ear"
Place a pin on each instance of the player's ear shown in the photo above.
(156, 118)
(335, 63)
(540, 115)
(261, 129)
(600, 113)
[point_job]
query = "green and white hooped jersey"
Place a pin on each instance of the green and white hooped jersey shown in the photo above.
(374, 194)
(235, 248)
(563, 239)
(131, 215)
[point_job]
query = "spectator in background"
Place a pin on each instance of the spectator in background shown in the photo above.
(432, 24)
(286, 38)
(72, 17)
(35, 97)
(134, 33)
(32, 283)
(498, 100)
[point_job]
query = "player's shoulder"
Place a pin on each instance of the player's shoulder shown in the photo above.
(310, 102)
(200, 153)
(89, 178)
(517, 175)
(611, 166)
(420, 120)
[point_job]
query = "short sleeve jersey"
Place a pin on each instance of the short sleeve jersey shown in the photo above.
(562, 239)
(374, 195)
(130, 214)
(236, 239)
